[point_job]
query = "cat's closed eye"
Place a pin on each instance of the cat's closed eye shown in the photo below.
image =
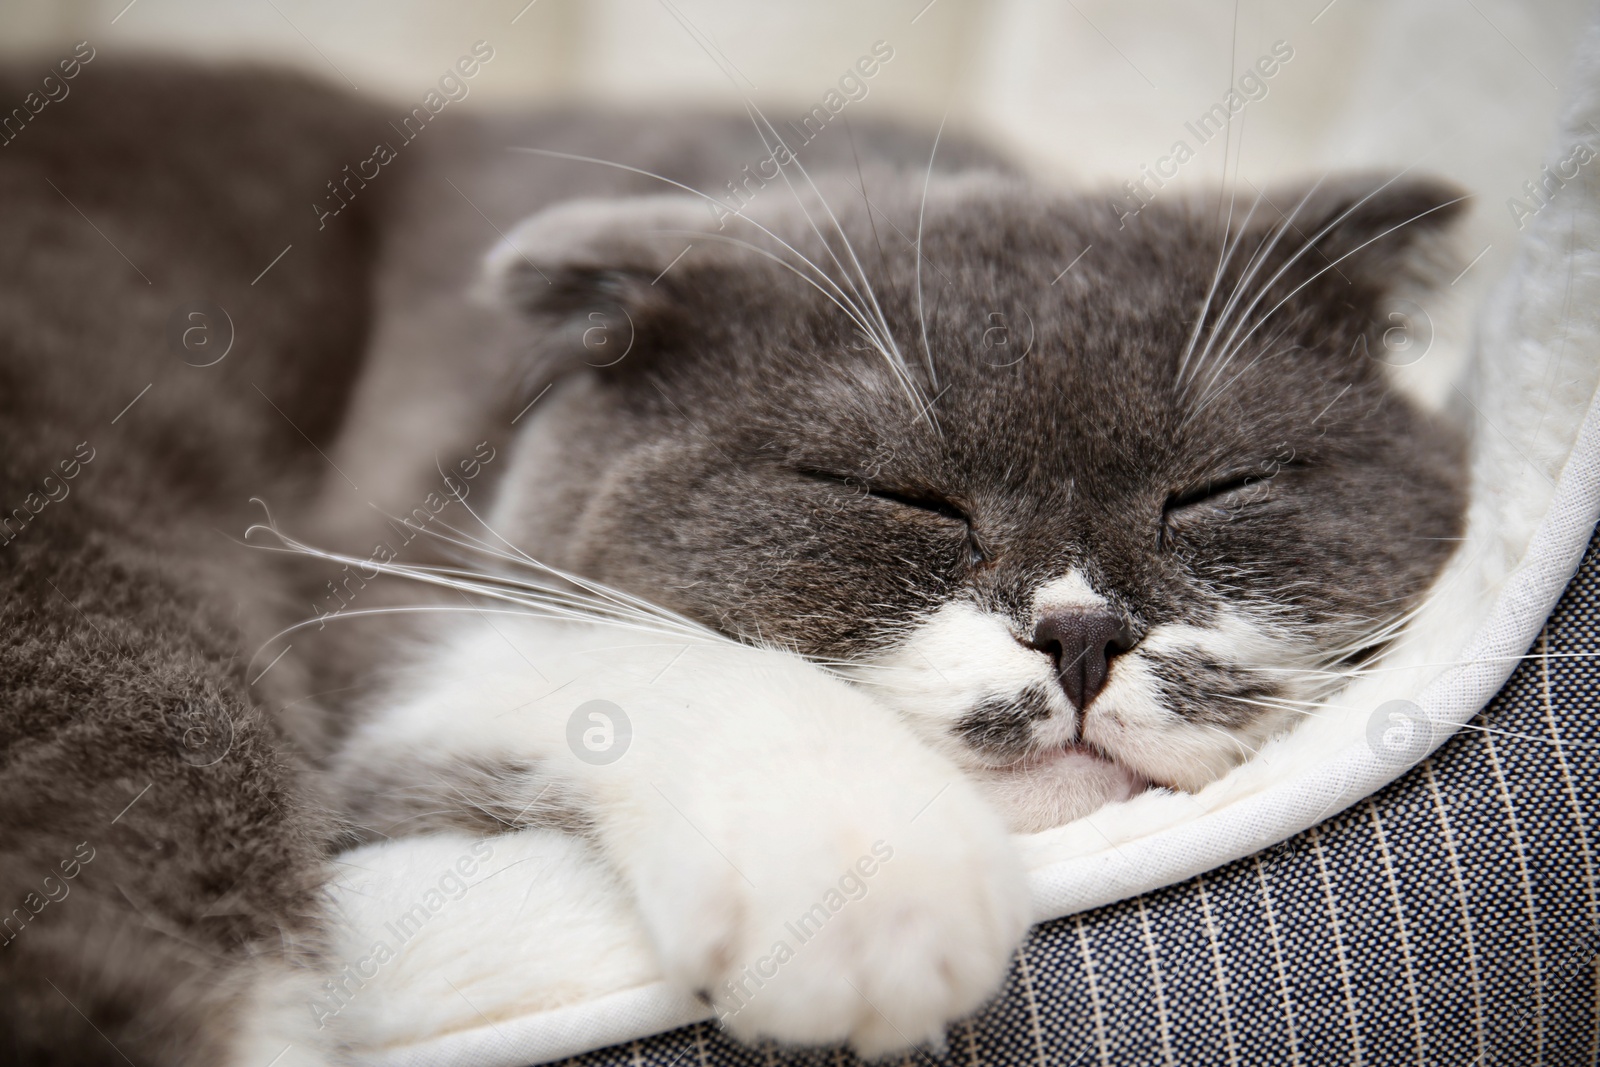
(924, 500)
(1214, 501)
(937, 505)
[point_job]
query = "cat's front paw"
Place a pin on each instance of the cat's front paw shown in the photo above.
(873, 914)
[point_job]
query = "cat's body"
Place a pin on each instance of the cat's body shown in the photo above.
(1001, 533)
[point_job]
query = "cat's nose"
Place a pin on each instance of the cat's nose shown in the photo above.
(1082, 642)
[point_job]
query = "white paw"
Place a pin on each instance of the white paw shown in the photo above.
(820, 909)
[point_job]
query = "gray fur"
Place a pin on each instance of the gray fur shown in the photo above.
(129, 616)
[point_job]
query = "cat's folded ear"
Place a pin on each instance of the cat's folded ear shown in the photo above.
(593, 276)
(1355, 238)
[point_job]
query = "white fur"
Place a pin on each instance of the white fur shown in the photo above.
(954, 659)
(1071, 591)
(753, 781)
(274, 1025)
(957, 658)
(498, 947)
(1132, 723)
(961, 656)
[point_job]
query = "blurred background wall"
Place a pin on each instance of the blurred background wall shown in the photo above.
(1084, 90)
(1092, 86)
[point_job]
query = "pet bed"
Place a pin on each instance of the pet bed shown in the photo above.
(1409, 878)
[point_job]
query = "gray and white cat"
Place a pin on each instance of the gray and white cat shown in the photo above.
(905, 506)
(968, 587)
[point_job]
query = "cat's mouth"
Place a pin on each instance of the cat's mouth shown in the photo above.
(1056, 784)
(1032, 735)
(1084, 750)
(1082, 754)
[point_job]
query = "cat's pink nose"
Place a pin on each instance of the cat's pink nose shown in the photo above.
(1082, 642)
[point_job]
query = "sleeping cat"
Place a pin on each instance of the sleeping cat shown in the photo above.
(824, 541)
(960, 580)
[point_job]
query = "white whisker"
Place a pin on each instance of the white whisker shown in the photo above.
(922, 210)
(1224, 257)
(589, 603)
(1253, 268)
(842, 298)
(1290, 295)
(850, 311)
(883, 339)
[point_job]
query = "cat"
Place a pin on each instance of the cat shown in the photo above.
(844, 526)
(862, 580)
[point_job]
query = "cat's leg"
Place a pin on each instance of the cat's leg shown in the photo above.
(432, 934)
(796, 855)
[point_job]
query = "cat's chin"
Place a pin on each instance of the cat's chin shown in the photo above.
(1057, 786)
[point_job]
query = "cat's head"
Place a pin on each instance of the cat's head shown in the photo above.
(1074, 536)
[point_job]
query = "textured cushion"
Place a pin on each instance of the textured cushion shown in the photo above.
(1451, 918)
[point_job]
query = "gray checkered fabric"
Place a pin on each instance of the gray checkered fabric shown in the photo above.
(1450, 919)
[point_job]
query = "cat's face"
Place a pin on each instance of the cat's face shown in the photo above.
(1063, 547)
